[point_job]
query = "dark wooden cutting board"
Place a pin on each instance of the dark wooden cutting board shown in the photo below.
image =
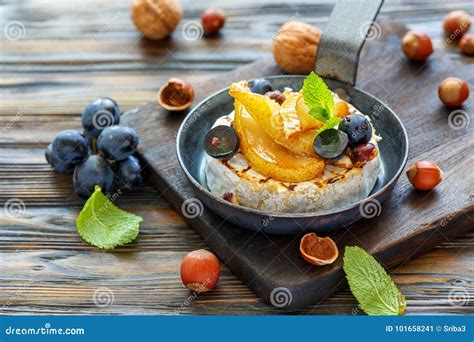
(409, 223)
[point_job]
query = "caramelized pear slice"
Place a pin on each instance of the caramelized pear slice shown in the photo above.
(341, 108)
(289, 117)
(307, 121)
(269, 158)
(267, 114)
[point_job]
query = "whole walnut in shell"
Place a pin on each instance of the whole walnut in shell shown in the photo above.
(156, 19)
(294, 47)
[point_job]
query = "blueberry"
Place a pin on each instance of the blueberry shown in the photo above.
(69, 146)
(117, 142)
(99, 114)
(127, 172)
(221, 142)
(357, 127)
(330, 144)
(93, 171)
(261, 86)
(56, 163)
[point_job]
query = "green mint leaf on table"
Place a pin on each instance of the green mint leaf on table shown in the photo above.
(317, 97)
(373, 288)
(103, 225)
(330, 123)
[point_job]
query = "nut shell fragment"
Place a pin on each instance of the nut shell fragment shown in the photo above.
(176, 95)
(318, 251)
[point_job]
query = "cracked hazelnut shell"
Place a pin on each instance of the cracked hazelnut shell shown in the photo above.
(318, 251)
(176, 95)
(156, 19)
(294, 47)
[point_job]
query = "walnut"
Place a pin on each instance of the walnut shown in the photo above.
(156, 19)
(294, 47)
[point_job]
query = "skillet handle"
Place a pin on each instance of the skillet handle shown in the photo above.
(343, 38)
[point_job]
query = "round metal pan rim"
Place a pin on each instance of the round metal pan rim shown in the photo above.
(286, 215)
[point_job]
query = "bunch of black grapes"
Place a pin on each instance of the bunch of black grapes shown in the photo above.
(102, 156)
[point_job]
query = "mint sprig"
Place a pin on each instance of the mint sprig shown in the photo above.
(317, 97)
(373, 288)
(103, 225)
(319, 100)
(320, 113)
(329, 123)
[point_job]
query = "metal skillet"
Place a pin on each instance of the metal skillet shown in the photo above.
(337, 60)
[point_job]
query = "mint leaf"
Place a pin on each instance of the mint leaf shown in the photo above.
(317, 97)
(373, 288)
(103, 225)
(319, 113)
(330, 123)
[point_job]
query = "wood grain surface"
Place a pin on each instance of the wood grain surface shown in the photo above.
(409, 223)
(73, 52)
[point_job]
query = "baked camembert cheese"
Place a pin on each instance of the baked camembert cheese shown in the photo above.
(291, 151)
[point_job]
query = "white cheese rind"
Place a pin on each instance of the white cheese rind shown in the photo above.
(274, 196)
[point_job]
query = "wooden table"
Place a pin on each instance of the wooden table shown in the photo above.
(66, 54)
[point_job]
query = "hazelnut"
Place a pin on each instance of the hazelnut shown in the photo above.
(424, 175)
(417, 46)
(276, 96)
(212, 21)
(318, 251)
(467, 44)
(200, 270)
(176, 95)
(453, 91)
(294, 47)
(156, 19)
(456, 23)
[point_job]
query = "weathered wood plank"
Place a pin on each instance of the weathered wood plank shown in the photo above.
(65, 281)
